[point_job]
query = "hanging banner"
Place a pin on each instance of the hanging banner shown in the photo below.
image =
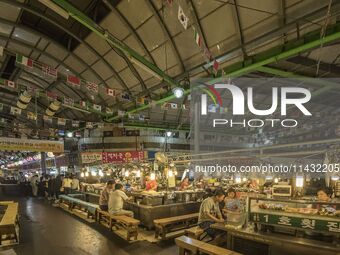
(91, 157)
(16, 144)
(123, 157)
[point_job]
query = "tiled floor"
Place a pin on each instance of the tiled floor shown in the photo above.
(48, 230)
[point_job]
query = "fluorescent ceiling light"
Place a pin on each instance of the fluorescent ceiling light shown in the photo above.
(54, 7)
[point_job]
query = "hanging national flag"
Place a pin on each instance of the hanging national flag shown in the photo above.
(83, 104)
(109, 110)
(121, 113)
(22, 60)
(97, 107)
(75, 123)
(89, 124)
(91, 86)
(182, 17)
(173, 105)
(68, 101)
(47, 70)
(61, 122)
(73, 80)
(47, 119)
(10, 84)
(52, 96)
(125, 96)
(110, 92)
(31, 116)
(198, 38)
(140, 101)
(31, 90)
(207, 53)
(15, 111)
(216, 66)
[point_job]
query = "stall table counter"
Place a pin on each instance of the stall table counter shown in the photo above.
(277, 244)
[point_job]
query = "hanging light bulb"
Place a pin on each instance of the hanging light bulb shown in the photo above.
(127, 173)
(101, 174)
(178, 92)
(82, 174)
(170, 173)
(87, 174)
(175, 172)
(299, 181)
(276, 180)
(152, 176)
(168, 133)
(238, 179)
(138, 174)
(93, 173)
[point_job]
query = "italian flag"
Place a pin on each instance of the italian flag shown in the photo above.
(22, 60)
(198, 39)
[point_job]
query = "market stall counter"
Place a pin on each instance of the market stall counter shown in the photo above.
(148, 206)
(268, 243)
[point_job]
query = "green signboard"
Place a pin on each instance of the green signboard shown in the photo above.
(297, 222)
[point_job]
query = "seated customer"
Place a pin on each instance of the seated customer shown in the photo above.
(210, 213)
(104, 196)
(232, 204)
(116, 201)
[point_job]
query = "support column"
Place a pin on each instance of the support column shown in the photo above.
(43, 162)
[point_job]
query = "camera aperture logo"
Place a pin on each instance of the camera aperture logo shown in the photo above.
(239, 100)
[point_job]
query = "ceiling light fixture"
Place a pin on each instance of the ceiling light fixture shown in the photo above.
(178, 92)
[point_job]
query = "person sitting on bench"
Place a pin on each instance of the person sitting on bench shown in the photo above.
(116, 201)
(104, 196)
(210, 213)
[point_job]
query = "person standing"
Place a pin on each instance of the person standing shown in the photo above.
(67, 184)
(58, 183)
(75, 184)
(116, 201)
(34, 185)
(104, 196)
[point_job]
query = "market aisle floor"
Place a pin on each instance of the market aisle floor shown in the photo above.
(48, 230)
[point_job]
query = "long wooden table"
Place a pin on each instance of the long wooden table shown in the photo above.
(9, 222)
(278, 244)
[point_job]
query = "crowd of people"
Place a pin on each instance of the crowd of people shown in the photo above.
(50, 186)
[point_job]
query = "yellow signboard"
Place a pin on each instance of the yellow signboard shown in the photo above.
(16, 144)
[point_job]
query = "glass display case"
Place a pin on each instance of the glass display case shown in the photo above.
(307, 215)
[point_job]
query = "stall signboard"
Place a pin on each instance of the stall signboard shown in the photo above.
(91, 157)
(16, 144)
(306, 223)
(123, 157)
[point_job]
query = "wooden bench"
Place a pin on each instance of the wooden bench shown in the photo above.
(119, 221)
(191, 246)
(79, 207)
(194, 232)
(174, 224)
(9, 224)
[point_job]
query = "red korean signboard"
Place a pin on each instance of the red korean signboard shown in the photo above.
(123, 157)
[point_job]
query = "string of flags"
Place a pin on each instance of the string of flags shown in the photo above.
(71, 80)
(47, 119)
(184, 20)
